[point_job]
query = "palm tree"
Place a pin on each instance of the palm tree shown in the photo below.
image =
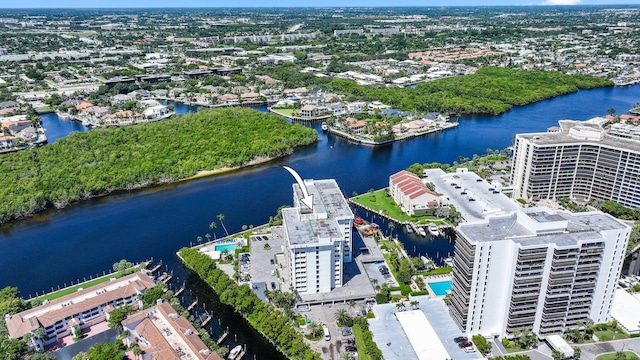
(374, 281)
(401, 306)
(352, 304)
(414, 304)
(343, 318)
(221, 218)
(208, 236)
(213, 225)
(391, 226)
(199, 238)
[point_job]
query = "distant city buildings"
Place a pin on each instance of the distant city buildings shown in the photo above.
(318, 240)
(578, 160)
(536, 269)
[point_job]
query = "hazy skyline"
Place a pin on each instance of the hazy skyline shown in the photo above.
(293, 3)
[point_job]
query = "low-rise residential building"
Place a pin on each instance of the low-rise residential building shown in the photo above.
(163, 334)
(81, 309)
(311, 111)
(411, 194)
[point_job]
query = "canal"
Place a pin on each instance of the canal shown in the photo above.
(60, 246)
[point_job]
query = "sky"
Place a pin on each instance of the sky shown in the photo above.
(290, 3)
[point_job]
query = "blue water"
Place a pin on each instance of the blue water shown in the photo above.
(137, 225)
(440, 288)
(56, 128)
(229, 248)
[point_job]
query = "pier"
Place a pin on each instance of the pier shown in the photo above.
(181, 290)
(193, 304)
(222, 337)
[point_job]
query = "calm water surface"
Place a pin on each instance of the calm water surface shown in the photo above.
(65, 245)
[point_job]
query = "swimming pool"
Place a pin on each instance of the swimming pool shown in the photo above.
(440, 288)
(229, 248)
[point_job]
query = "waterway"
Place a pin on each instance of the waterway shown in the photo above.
(60, 246)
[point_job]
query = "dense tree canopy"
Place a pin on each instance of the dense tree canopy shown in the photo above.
(82, 165)
(270, 322)
(490, 90)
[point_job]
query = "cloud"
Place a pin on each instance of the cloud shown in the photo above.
(561, 2)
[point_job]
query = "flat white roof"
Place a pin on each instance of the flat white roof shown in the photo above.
(423, 338)
(626, 311)
(558, 343)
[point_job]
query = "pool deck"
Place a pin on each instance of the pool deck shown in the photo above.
(436, 278)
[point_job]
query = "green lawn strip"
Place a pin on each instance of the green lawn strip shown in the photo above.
(438, 271)
(607, 335)
(287, 112)
(358, 335)
(612, 356)
(87, 284)
(514, 349)
(392, 210)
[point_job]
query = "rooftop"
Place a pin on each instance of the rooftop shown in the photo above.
(580, 132)
(538, 226)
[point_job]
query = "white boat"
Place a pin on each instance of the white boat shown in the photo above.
(234, 352)
(433, 230)
(421, 231)
(324, 126)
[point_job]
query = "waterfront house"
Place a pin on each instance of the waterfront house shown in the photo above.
(126, 117)
(311, 111)
(80, 309)
(228, 99)
(251, 96)
(8, 104)
(163, 334)
(7, 141)
(411, 194)
(154, 112)
(337, 109)
(356, 126)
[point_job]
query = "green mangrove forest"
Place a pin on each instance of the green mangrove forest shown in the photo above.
(83, 165)
(270, 322)
(491, 90)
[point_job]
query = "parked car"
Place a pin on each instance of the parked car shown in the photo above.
(346, 331)
(465, 344)
(326, 333)
(351, 348)
(460, 339)
(273, 285)
(469, 349)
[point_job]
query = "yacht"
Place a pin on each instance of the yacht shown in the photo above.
(433, 230)
(421, 231)
(233, 354)
(324, 125)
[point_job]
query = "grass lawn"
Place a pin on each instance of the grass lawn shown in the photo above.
(514, 349)
(438, 271)
(612, 356)
(286, 112)
(607, 335)
(72, 289)
(357, 334)
(380, 201)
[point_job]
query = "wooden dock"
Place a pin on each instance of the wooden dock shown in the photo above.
(193, 304)
(156, 268)
(222, 337)
(181, 290)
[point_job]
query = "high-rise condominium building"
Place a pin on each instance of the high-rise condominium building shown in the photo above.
(577, 160)
(318, 240)
(536, 269)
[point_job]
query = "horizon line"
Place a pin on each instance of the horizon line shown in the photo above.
(541, 5)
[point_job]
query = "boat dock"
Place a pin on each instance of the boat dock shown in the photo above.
(181, 290)
(193, 304)
(222, 337)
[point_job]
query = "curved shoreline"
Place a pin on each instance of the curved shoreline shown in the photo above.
(199, 174)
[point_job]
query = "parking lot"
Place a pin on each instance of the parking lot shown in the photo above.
(374, 272)
(261, 264)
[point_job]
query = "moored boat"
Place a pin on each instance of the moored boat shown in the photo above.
(324, 126)
(233, 354)
(421, 231)
(433, 230)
